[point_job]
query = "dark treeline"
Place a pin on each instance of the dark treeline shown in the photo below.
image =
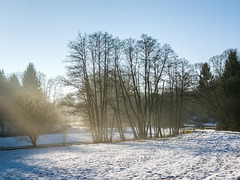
(218, 90)
(146, 86)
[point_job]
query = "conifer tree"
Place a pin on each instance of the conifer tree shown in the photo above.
(30, 81)
(231, 74)
(231, 85)
(2, 82)
(14, 84)
(205, 76)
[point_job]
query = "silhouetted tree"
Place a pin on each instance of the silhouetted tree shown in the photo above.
(118, 80)
(231, 86)
(220, 93)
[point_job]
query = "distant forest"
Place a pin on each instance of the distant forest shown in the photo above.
(115, 84)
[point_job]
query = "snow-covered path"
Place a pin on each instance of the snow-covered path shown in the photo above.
(199, 155)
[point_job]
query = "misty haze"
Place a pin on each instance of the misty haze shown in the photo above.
(119, 90)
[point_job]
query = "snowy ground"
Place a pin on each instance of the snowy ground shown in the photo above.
(199, 155)
(73, 135)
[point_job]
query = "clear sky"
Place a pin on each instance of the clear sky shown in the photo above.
(38, 31)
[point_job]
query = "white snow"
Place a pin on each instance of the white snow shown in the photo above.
(198, 155)
(73, 135)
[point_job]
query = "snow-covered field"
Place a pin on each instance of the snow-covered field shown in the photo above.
(73, 135)
(199, 155)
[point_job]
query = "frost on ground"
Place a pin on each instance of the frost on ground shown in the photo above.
(199, 155)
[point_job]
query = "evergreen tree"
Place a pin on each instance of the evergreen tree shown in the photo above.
(205, 77)
(6, 103)
(231, 75)
(3, 83)
(30, 81)
(231, 85)
(14, 84)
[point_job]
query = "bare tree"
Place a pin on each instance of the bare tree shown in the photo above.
(92, 72)
(34, 116)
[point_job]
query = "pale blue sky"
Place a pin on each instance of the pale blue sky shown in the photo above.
(38, 31)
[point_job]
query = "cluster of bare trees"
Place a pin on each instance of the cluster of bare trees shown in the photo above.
(125, 82)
